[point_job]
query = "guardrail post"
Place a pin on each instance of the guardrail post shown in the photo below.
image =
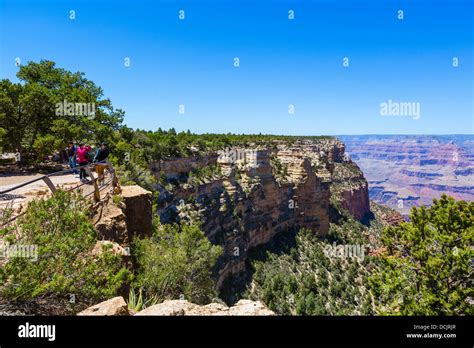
(53, 188)
(112, 173)
(94, 181)
(50, 184)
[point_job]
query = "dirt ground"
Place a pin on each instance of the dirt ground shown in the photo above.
(18, 198)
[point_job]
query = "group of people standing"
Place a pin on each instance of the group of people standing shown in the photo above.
(82, 155)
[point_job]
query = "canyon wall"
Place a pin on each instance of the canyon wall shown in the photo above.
(247, 200)
(410, 170)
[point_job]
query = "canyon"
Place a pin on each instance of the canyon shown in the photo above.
(242, 203)
(244, 198)
(411, 170)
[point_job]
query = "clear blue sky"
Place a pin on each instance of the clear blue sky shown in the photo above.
(282, 62)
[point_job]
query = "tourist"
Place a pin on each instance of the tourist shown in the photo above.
(82, 153)
(100, 157)
(71, 153)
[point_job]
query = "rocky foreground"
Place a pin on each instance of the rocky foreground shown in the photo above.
(118, 306)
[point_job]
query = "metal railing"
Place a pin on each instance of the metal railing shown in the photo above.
(113, 180)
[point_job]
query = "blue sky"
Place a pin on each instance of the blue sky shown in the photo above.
(282, 61)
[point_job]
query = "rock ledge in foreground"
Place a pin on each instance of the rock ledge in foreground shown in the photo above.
(183, 307)
(114, 306)
(118, 306)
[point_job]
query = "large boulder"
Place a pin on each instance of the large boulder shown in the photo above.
(169, 307)
(247, 307)
(183, 307)
(138, 211)
(121, 223)
(114, 306)
(111, 223)
(107, 245)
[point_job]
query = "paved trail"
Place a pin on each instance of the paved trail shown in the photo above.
(38, 189)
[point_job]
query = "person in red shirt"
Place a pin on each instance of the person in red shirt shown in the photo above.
(82, 159)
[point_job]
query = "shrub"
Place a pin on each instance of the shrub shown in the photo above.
(137, 303)
(305, 281)
(427, 267)
(132, 173)
(60, 229)
(177, 261)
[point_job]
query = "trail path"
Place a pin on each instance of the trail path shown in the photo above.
(21, 196)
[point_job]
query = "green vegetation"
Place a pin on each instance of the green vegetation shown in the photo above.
(203, 175)
(347, 230)
(30, 122)
(147, 146)
(132, 173)
(279, 169)
(346, 176)
(60, 229)
(424, 268)
(427, 269)
(175, 263)
(306, 281)
(117, 200)
(138, 303)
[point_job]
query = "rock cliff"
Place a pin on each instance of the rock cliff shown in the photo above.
(130, 217)
(249, 195)
(350, 188)
(411, 170)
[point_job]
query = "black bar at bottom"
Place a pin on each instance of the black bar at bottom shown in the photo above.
(419, 331)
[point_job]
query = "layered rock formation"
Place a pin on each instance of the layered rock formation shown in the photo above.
(127, 219)
(410, 170)
(137, 210)
(173, 168)
(351, 189)
(269, 190)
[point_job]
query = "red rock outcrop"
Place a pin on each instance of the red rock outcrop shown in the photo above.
(411, 170)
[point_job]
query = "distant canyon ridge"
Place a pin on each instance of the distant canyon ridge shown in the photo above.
(410, 170)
